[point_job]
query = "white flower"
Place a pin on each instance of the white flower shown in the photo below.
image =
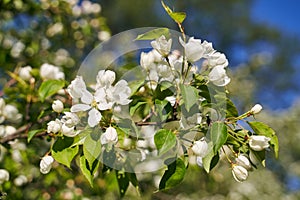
(70, 119)
(20, 180)
(256, 109)
(218, 76)
(105, 78)
(259, 142)
(12, 114)
(58, 106)
(90, 103)
(76, 88)
(4, 176)
(171, 99)
(199, 161)
(147, 60)
(239, 173)
(24, 73)
(48, 72)
(194, 50)
(217, 59)
(119, 93)
(243, 161)
(110, 136)
(68, 131)
(162, 45)
(200, 147)
(46, 164)
(54, 126)
(7, 130)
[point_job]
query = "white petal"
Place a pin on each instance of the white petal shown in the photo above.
(94, 117)
(87, 97)
(80, 107)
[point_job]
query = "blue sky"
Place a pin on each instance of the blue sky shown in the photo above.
(279, 13)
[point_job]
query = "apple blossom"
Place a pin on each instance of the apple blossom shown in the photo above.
(162, 45)
(24, 73)
(48, 71)
(105, 78)
(54, 126)
(46, 164)
(4, 176)
(70, 119)
(11, 113)
(239, 173)
(110, 136)
(217, 59)
(218, 76)
(243, 161)
(259, 142)
(254, 158)
(194, 50)
(77, 87)
(69, 131)
(20, 180)
(256, 109)
(119, 93)
(57, 106)
(200, 147)
(199, 161)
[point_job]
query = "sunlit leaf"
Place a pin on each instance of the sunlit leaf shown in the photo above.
(154, 34)
(164, 141)
(218, 134)
(178, 17)
(49, 88)
(189, 95)
(211, 159)
(32, 133)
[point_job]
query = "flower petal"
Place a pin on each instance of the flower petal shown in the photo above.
(94, 117)
(87, 97)
(80, 107)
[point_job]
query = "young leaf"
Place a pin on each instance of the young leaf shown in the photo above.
(178, 17)
(218, 134)
(135, 107)
(83, 164)
(164, 141)
(211, 159)
(49, 88)
(62, 151)
(32, 133)
(189, 95)
(262, 129)
(173, 175)
(91, 148)
(154, 34)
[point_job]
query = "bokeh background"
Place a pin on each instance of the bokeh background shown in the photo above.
(260, 38)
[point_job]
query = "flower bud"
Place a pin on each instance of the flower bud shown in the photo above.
(46, 164)
(110, 136)
(48, 72)
(254, 159)
(24, 73)
(243, 161)
(162, 45)
(54, 126)
(259, 142)
(70, 119)
(256, 109)
(20, 180)
(57, 106)
(239, 173)
(200, 147)
(199, 161)
(12, 114)
(4, 176)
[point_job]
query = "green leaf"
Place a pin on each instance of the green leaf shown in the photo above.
(49, 88)
(189, 95)
(231, 110)
(218, 134)
(262, 129)
(154, 34)
(211, 159)
(163, 109)
(123, 182)
(135, 107)
(92, 147)
(178, 17)
(83, 164)
(32, 133)
(173, 175)
(164, 141)
(63, 152)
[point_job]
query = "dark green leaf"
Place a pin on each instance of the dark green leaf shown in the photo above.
(173, 175)
(49, 88)
(63, 152)
(189, 95)
(123, 182)
(164, 141)
(163, 109)
(83, 164)
(218, 134)
(262, 129)
(154, 34)
(135, 107)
